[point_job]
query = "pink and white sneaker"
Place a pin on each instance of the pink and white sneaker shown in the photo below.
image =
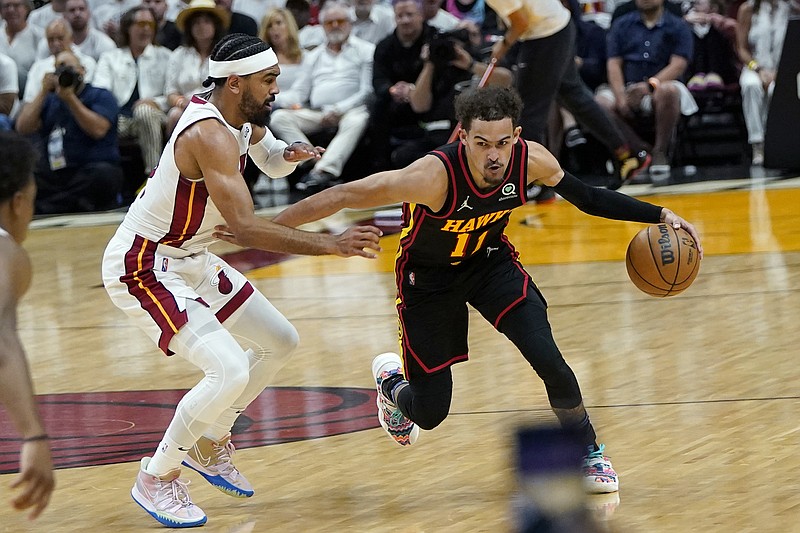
(214, 461)
(166, 498)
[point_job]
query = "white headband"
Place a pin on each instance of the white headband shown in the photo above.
(244, 66)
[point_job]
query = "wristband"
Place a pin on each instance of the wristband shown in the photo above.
(43, 436)
(753, 65)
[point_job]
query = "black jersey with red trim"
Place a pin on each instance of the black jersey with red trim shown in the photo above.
(472, 220)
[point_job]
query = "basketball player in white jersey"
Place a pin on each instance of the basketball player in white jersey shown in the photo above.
(17, 193)
(189, 301)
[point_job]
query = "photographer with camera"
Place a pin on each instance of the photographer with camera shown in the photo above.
(449, 65)
(76, 122)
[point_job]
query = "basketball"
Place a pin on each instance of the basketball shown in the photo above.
(662, 261)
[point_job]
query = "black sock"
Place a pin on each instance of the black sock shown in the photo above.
(388, 384)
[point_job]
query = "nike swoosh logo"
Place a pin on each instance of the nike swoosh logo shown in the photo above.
(205, 461)
(183, 449)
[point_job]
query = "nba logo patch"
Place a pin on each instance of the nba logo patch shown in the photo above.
(164, 264)
(412, 279)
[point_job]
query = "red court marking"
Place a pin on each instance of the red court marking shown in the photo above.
(98, 428)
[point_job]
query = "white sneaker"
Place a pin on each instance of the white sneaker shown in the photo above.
(166, 498)
(214, 461)
(402, 430)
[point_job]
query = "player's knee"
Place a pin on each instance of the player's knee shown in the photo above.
(430, 418)
(234, 378)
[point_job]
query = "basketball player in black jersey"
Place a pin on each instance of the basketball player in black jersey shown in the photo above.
(453, 252)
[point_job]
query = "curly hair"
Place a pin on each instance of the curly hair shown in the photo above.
(17, 161)
(488, 103)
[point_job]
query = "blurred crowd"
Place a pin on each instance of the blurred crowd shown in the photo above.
(94, 81)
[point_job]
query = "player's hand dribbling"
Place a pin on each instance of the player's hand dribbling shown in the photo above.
(358, 240)
(668, 217)
(35, 478)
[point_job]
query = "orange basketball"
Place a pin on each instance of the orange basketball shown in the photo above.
(662, 261)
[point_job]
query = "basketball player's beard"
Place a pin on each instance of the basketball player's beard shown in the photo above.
(254, 112)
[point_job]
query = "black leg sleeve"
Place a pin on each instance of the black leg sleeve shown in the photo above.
(426, 400)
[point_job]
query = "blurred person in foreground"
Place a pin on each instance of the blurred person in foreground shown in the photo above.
(17, 193)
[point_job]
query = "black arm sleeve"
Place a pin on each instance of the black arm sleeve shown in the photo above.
(605, 203)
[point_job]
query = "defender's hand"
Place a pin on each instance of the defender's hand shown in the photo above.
(355, 240)
(302, 151)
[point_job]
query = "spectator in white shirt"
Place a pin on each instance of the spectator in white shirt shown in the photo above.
(108, 14)
(279, 31)
(18, 39)
(203, 24)
(331, 94)
(47, 13)
(374, 21)
(9, 89)
(88, 40)
(58, 37)
(136, 73)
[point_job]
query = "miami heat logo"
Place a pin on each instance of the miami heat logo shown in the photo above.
(221, 281)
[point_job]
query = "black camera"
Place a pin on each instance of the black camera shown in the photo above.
(442, 46)
(67, 76)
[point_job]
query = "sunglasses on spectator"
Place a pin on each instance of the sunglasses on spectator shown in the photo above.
(145, 24)
(338, 22)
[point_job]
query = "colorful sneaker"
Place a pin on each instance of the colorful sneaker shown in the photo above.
(598, 474)
(402, 430)
(166, 498)
(714, 82)
(213, 461)
(697, 82)
(632, 166)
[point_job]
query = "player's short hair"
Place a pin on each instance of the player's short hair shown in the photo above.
(488, 103)
(234, 46)
(17, 161)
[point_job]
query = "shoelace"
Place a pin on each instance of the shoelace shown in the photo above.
(180, 492)
(598, 453)
(224, 455)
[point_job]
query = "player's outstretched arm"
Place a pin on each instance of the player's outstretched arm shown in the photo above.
(423, 182)
(542, 165)
(207, 150)
(35, 482)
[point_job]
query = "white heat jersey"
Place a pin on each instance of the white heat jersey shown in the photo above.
(173, 210)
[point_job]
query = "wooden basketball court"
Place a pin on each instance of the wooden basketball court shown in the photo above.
(696, 396)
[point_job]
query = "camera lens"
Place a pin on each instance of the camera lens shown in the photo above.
(67, 77)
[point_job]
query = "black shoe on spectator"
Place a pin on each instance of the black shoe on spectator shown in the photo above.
(540, 194)
(574, 137)
(316, 180)
(629, 168)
